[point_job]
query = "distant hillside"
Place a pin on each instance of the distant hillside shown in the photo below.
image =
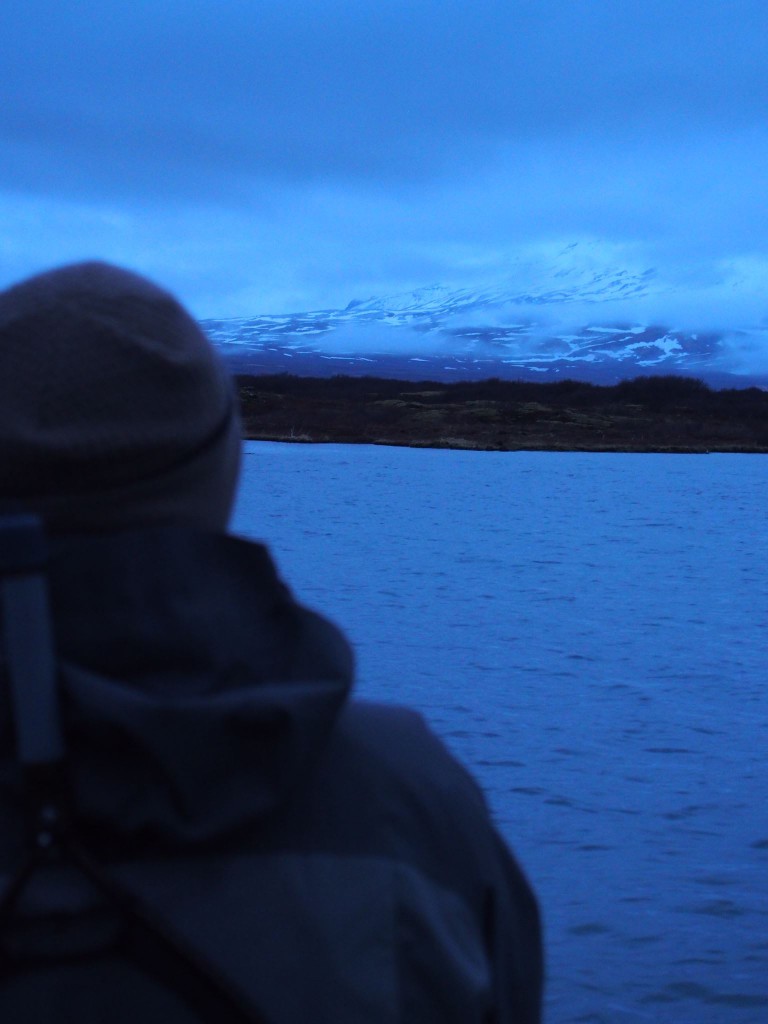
(570, 318)
(664, 413)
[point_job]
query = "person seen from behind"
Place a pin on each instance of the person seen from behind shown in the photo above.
(197, 820)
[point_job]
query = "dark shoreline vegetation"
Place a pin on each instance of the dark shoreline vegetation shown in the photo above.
(646, 414)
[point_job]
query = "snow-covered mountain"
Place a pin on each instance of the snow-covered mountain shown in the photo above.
(565, 326)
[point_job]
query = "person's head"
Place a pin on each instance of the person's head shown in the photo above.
(115, 411)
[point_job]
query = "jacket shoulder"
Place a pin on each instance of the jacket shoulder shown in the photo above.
(386, 785)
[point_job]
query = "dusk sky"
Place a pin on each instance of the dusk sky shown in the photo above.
(266, 156)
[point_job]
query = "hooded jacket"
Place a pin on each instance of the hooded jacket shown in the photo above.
(327, 857)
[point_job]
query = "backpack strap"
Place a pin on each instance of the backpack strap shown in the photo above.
(32, 678)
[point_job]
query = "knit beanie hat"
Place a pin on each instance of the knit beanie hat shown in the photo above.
(115, 410)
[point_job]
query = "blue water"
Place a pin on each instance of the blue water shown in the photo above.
(588, 633)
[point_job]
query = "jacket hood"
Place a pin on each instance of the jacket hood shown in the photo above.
(195, 692)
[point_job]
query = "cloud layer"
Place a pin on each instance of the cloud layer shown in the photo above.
(276, 156)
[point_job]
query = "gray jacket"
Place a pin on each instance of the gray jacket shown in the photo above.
(328, 857)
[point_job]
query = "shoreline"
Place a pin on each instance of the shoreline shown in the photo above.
(458, 444)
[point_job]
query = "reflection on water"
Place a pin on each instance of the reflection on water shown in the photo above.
(588, 633)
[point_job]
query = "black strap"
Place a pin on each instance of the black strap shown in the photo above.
(148, 942)
(28, 643)
(144, 939)
(31, 670)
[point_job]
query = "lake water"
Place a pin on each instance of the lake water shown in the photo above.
(588, 633)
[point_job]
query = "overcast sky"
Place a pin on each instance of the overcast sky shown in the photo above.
(262, 156)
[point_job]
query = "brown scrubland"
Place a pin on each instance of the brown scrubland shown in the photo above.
(646, 414)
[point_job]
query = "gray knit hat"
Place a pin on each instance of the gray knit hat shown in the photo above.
(114, 408)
